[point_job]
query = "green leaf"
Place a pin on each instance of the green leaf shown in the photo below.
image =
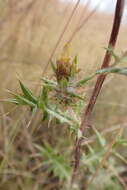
(61, 117)
(120, 141)
(50, 82)
(53, 66)
(43, 97)
(27, 93)
(100, 138)
(83, 81)
(74, 67)
(12, 100)
(111, 51)
(75, 95)
(45, 116)
(56, 162)
(121, 71)
(34, 110)
(76, 60)
(63, 83)
(22, 100)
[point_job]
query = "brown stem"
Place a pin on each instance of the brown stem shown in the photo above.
(87, 113)
(85, 20)
(106, 61)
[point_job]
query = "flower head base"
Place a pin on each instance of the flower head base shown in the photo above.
(63, 68)
(66, 69)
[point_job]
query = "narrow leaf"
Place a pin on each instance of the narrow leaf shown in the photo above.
(75, 95)
(47, 81)
(100, 138)
(22, 100)
(57, 115)
(57, 163)
(83, 81)
(27, 93)
(53, 67)
(122, 71)
(12, 100)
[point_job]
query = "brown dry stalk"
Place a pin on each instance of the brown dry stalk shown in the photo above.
(61, 36)
(85, 20)
(87, 113)
(106, 62)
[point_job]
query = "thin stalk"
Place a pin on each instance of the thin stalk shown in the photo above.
(60, 37)
(85, 20)
(112, 42)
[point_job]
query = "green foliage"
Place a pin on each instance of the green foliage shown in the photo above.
(108, 173)
(120, 141)
(59, 100)
(121, 71)
(85, 80)
(55, 162)
(27, 93)
(22, 100)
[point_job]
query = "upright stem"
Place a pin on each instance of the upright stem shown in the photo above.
(87, 113)
(112, 42)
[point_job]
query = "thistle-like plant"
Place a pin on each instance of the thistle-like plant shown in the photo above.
(61, 99)
(57, 97)
(61, 96)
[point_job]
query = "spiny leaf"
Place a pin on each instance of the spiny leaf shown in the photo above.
(62, 118)
(83, 81)
(100, 138)
(121, 71)
(22, 100)
(56, 162)
(50, 82)
(12, 100)
(75, 95)
(43, 97)
(27, 93)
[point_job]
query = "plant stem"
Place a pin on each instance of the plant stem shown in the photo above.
(106, 61)
(87, 113)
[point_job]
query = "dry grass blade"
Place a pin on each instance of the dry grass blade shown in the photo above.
(85, 20)
(61, 36)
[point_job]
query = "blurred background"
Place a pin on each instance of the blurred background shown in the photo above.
(29, 32)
